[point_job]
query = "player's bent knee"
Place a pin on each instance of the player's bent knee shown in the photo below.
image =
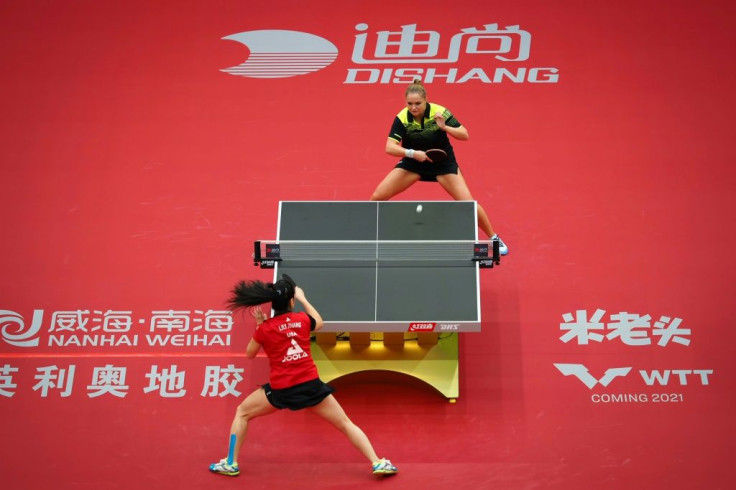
(249, 410)
(244, 409)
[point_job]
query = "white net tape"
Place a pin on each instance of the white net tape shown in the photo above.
(381, 250)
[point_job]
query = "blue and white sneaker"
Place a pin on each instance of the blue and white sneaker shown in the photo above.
(502, 248)
(384, 467)
(225, 468)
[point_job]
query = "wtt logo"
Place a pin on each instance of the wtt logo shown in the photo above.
(662, 378)
(14, 331)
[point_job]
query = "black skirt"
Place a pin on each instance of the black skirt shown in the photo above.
(303, 395)
(428, 171)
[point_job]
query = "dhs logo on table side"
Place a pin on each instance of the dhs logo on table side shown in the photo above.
(397, 56)
(431, 326)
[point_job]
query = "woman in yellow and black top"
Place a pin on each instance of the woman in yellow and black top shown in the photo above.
(419, 127)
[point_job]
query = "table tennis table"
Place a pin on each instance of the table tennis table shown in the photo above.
(384, 266)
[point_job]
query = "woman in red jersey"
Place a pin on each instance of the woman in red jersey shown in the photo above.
(294, 381)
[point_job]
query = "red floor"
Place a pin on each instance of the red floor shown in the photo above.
(135, 176)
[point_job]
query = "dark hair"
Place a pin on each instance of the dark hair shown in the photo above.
(416, 87)
(253, 293)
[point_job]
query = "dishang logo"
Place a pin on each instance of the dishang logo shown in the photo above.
(14, 331)
(281, 53)
(490, 54)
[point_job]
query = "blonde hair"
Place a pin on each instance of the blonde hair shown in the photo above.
(416, 87)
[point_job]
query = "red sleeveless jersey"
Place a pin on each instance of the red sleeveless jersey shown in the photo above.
(285, 339)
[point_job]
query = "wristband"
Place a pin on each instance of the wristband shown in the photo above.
(409, 153)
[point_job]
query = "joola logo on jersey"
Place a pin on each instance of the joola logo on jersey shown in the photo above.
(397, 56)
(295, 352)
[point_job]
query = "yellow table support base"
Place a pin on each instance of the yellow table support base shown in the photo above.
(426, 356)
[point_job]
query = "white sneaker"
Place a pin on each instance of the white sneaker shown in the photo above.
(384, 467)
(225, 468)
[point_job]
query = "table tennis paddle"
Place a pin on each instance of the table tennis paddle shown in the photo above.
(436, 155)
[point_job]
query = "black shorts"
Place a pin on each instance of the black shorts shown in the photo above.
(303, 395)
(428, 171)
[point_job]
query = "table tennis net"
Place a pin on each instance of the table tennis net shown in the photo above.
(368, 250)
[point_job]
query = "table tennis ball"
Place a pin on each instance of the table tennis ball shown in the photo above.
(419, 208)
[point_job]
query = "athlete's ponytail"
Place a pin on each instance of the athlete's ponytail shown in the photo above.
(253, 293)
